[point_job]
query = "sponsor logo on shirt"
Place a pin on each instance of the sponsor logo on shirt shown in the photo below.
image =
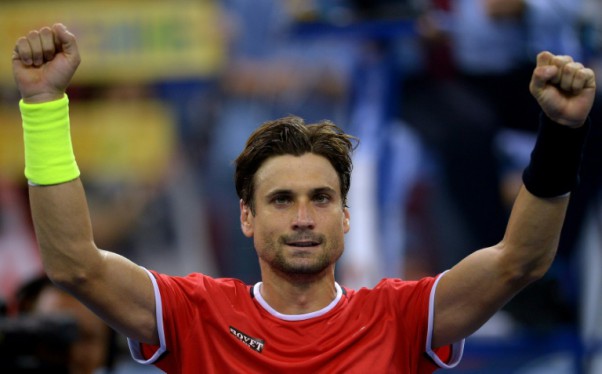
(253, 343)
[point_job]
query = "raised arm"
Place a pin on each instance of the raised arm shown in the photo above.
(472, 291)
(116, 289)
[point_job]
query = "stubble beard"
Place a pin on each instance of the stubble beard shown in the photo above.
(302, 264)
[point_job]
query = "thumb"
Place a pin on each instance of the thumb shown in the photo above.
(65, 40)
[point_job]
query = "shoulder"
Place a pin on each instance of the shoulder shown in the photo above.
(199, 284)
(395, 286)
(395, 292)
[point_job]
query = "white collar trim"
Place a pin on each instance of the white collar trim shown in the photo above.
(296, 317)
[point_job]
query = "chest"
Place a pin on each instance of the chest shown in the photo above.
(352, 339)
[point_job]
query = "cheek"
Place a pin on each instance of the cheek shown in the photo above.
(270, 222)
(338, 239)
(265, 234)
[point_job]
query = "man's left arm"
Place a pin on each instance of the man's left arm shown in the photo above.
(477, 287)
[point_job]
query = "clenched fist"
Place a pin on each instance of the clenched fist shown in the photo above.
(44, 62)
(564, 89)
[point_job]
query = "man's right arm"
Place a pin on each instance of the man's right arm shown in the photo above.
(115, 288)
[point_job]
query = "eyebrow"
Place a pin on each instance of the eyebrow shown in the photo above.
(328, 190)
(288, 192)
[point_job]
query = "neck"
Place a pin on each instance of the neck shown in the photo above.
(298, 294)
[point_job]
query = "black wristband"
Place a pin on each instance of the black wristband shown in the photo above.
(556, 158)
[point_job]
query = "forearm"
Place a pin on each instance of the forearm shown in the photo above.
(64, 233)
(533, 231)
(532, 235)
(59, 208)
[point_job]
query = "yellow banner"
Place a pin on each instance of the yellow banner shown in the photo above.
(138, 41)
(131, 141)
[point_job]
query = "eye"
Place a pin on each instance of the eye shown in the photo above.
(322, 198)
(281, 199)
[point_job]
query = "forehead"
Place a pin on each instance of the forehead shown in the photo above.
(308, 171)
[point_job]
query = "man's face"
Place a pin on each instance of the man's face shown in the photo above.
(299, 219)
(89, 351)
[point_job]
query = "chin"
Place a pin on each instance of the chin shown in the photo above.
(307, 268)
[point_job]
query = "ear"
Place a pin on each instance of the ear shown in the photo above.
(346, 222)
(246, 220)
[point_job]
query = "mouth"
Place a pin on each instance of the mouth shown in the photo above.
(303, 242)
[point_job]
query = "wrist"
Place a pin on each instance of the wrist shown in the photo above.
(43, 97)
(574, 124)
(49, 157)
(556, 158)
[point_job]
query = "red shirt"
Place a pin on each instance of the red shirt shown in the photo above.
(224, 326)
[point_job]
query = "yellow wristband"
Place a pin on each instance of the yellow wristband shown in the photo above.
(49, 157)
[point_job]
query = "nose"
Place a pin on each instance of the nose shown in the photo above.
(304, 217)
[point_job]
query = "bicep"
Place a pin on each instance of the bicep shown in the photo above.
(470, 293)
(122, 294)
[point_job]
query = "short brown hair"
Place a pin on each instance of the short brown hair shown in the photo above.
(291, 136)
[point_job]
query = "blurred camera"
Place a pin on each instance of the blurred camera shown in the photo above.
(36, 344)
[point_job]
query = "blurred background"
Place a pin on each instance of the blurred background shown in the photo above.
(437, 91)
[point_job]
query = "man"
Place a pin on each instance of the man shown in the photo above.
(93, 345)
(292, 180)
